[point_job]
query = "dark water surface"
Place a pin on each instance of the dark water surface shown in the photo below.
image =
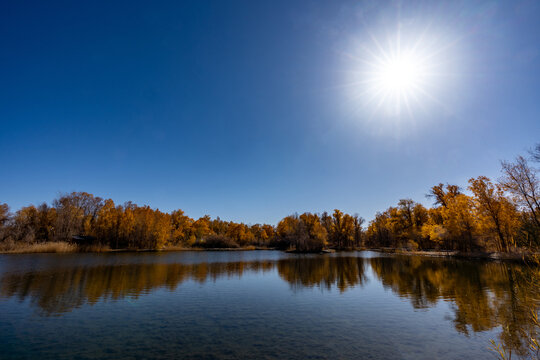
(258, 304)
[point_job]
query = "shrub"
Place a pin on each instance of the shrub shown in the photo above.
(218, 241)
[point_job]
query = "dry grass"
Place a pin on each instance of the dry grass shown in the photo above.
(93, 248)
(65, 247)
(48, 247)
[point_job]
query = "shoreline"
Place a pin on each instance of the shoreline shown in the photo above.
(479, 255)
(67, 248)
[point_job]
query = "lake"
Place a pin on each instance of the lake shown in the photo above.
(259, 304)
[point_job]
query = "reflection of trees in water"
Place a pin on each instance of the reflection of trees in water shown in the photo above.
(483, 295)
(59, 290)
(342, 272)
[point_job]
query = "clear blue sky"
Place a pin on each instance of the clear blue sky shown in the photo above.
(247, 109)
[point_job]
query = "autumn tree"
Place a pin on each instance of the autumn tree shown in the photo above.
(399, 226)
(451, 225)
(286, 231)
(181, 229)
(496, 213)
(75, 214)
(201, 229)
(303, 233)
(25, 224)
(442, 193)
(378, 232)
(267, 234)
(343, 230)
(106, 226)
(358, 222)
(311, 235)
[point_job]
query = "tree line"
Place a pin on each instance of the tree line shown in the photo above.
(488, 215)
(87, 219)
(503, 216)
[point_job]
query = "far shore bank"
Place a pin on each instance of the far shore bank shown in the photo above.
(516, 256)
(64, 247)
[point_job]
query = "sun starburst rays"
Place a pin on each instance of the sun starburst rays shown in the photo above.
(395, 77)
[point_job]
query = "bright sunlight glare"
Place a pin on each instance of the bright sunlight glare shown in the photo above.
(401, 74)
(396, 76)
(396, 79)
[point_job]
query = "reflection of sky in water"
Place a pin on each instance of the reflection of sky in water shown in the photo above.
(239, 304)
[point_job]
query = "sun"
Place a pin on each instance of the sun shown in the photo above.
(400, 74)
(395, 76)
(396, 79)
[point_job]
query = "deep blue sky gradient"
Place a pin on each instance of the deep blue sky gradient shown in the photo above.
(241, 109)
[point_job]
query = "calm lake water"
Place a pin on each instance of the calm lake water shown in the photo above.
(258, 304)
